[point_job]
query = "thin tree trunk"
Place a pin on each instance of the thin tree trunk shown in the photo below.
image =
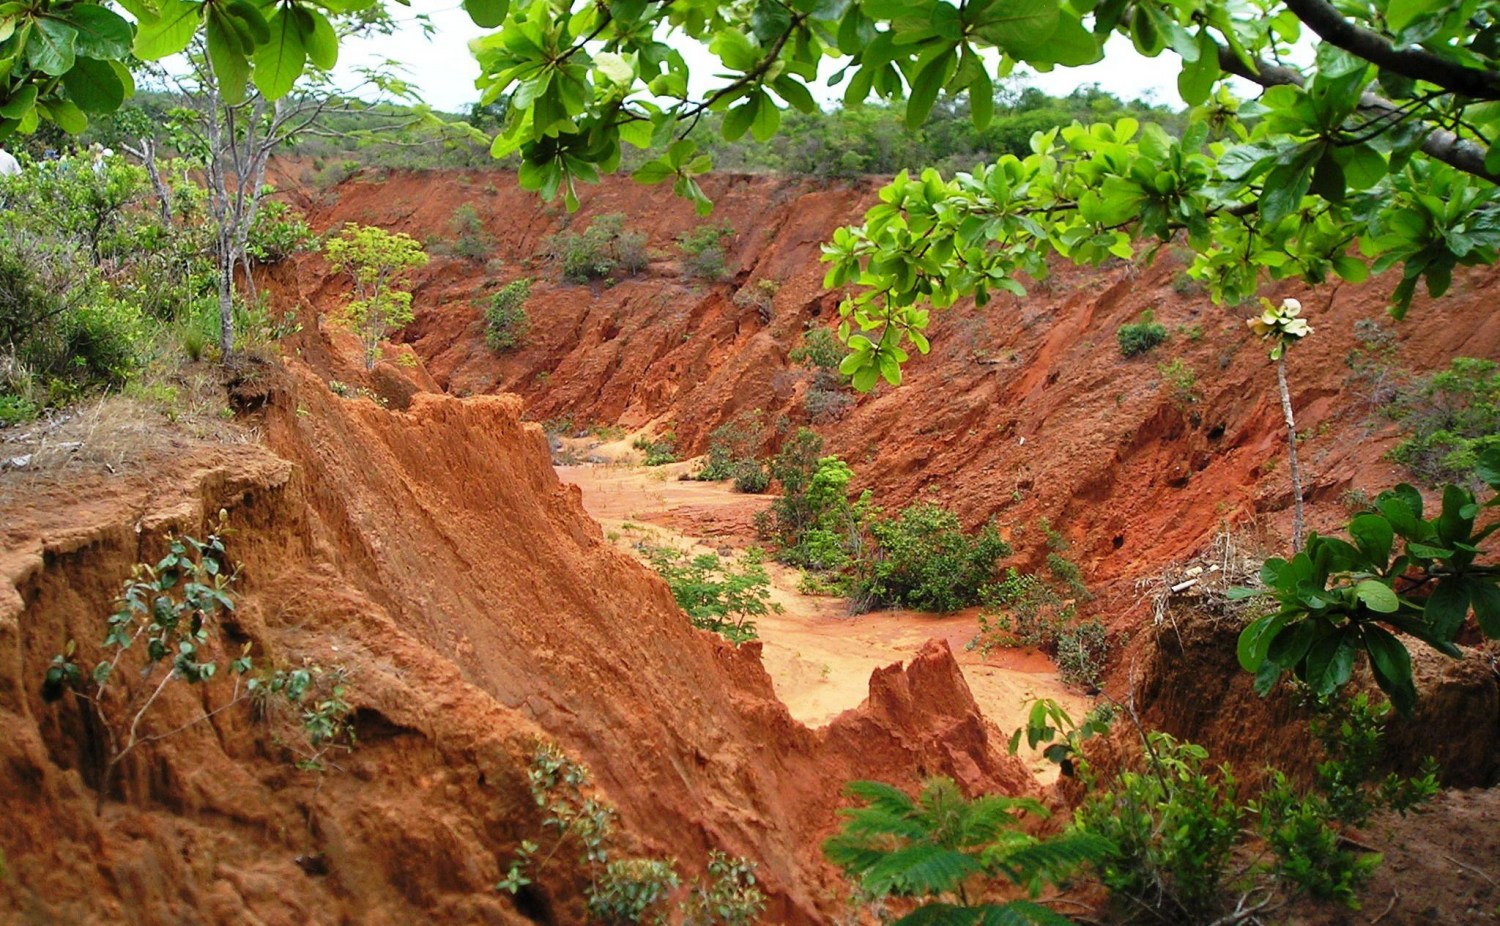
(1291, 443)
(226, 302)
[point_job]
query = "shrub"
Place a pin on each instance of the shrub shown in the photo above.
(1021, 610)
(923, 560)
(658, 451)
(379, 262)
(930, 847)
(819, 350)
(1171, 829)
(506, 321)
(824, 404)
(703, 250)
(602, 248)
(1082, 652)
(631, 888)
(278, 232)
(1453, 416)
(729, 897)
(715, 596)
(470, 240)
(1142, 336)
(1180, 380)
(751, 477)
(733, 448)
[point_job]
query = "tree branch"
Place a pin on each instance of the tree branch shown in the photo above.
(1415, 63)
(1438, 144)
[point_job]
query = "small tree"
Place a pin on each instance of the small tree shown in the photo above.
(379, 262)
(506, 321)
(1281, 326)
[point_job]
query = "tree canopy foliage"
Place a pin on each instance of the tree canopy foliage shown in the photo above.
(1378, 153)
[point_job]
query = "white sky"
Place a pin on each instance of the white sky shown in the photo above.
(445, 71)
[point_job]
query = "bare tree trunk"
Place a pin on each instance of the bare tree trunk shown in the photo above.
(226, 300)
(163, 193)
(1291, 443)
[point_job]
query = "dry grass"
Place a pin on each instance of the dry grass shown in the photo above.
(1202, 583)
(121, 433)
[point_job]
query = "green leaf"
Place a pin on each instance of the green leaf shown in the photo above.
(65, 115)
(102, 33)
(1374, 537)
(94, 86)
(925, 88)
(52, 48)
(487, 14)
(1391, 665)
(738, 120)
(1196, 82)
(225, 55)
(1447, 607)
(767, 119)
(322, 42)
(1019, 28)
(21, 103)
(1377, 596)
(1485, 598)
(169, 32)
(279, 62)
(1255, 640)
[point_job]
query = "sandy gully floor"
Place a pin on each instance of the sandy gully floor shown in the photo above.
(818, 655)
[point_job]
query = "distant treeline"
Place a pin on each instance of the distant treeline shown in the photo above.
(836, 143)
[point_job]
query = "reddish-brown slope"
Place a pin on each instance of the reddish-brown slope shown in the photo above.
(1023, 410)
(434, 553)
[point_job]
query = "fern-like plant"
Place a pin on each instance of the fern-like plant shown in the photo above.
(941, 847)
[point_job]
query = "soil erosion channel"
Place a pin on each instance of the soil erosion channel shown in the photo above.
(818, 655)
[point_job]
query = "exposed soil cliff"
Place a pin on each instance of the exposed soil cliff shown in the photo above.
(435, 555)
(1023, 410)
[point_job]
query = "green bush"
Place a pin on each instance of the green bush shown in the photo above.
(1082, 652)
(470, 240)
(1453, 416)
(1140, 337)
(1171, 829)
(601, 249)
(1021, 609)
(733, 448)
(923, 560)
(278, 232)
(716, 596)
(703, 255)
(659, 451)
(506, 323)
(819, 350)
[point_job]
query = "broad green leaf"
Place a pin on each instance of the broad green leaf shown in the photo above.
(169, 32)
(1377, 596)
(1196, 82)
(925, 88)
(1374, 536)
(52, 47)
(94, 86)
(487, 14)
(1447, 607)
(1391, 665)
(1485, 598)
(21, 103)
(1019, 28)
(64, 114)
(322, 42)
(102, 33)
(231, 67)
(767, 119)
(280, 61)
(1255, 640)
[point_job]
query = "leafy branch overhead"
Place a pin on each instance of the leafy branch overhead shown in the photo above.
(1378, 153)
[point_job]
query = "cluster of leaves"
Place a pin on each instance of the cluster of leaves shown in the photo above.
(278, 232)
(604, 247)
(827, 396)
(659, 450)
(1141, 336)
(165, 630)
(629, 890)
(723, 598)
(1049, 726)
(813, 522)
(1336, 598)
(733, 453)
(1175, 826)
(1453, 418)
(506, 322)
(470, 241)
(922, 559)
(702, 248)
(760, 295)
(942, 849)
(379, 263)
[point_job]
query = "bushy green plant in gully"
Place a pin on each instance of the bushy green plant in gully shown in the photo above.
(1452, 417)
(943, 849)
(620, 891)
(164, 633)
(379, 263)
(506, 320)
(1399, 572)
(925, 561)
(724, 598)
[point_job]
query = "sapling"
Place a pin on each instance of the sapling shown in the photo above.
(1282, 327)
